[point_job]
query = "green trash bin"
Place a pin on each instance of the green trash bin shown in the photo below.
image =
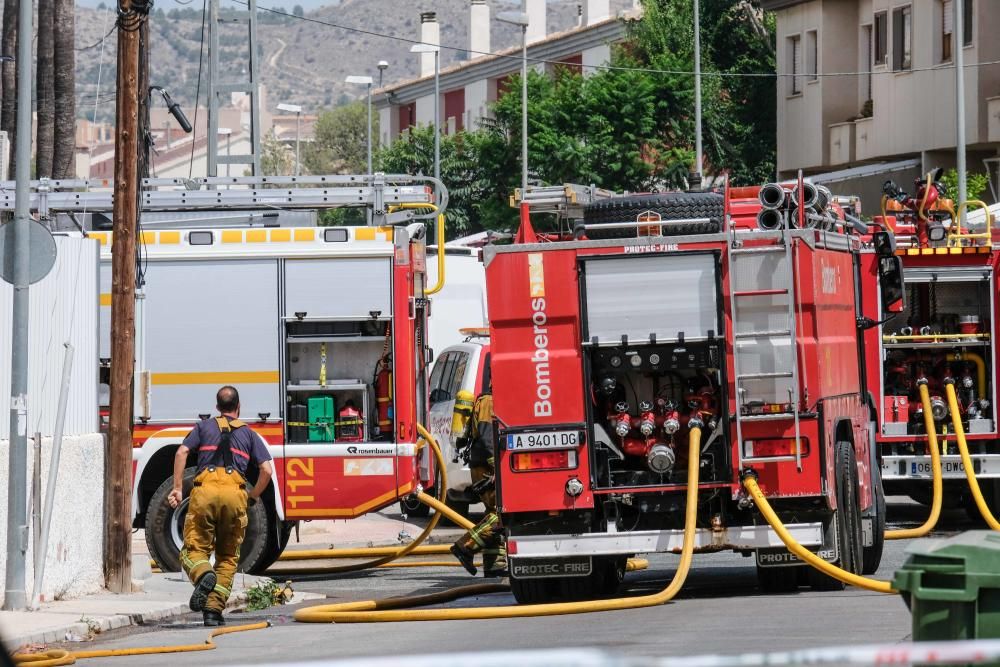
(952, 586)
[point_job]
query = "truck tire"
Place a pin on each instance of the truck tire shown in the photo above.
(872, 556)
(165, 531)
(669, 205)
(778, 579)
(847, 518)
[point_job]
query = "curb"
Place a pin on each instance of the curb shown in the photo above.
(105, 623)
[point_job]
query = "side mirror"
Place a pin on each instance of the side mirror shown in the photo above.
(890, 280)
(885, 244)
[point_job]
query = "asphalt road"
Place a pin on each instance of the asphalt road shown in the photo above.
(720, 610)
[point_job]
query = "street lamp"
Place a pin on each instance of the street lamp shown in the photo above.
(436, 50)
(366, 81)
(697, 93)
(521, 19)
(383, 65)
(228, 134)
(297, 110)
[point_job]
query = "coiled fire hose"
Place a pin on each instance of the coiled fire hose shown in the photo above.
(937, 483)
(59, 657)
(398, 609)
(963, 449)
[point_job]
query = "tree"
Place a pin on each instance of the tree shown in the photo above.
(64, 135)
(45, 89)
(298, 11)
(8, 47)
(276, 158)
(975, 184)
(340, 142)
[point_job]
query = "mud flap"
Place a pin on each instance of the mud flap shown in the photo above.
(828, 551)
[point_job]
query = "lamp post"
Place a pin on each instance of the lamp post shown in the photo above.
(228, 134)
(297, 110)
(436, 50)
(521, 19)
(697, 94)
(366, 81)
(383, 65)
(958, 34)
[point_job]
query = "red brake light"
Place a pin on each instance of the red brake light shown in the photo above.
(557, 460)
(774, 447)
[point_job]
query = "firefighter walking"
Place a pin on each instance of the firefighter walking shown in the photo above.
(487, 535)
(217, 512)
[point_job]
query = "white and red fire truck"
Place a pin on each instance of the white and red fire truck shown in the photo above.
(664, 311)
(322, 330)
(947, 330)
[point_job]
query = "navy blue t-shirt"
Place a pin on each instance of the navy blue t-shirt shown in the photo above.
(245, 445)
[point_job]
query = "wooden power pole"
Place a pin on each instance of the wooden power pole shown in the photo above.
(118, 478)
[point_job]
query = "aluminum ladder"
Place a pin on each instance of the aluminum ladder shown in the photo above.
(765, 349)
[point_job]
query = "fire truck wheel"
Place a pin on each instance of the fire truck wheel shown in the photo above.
(668, 205)
(778, 579)
(412, 507)
(872, 556)
(848, 519)
(165, 529)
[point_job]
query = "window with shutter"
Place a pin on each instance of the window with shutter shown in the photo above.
(967, 16)
(812, 56)
(947, 28)
(881, 38)
(901, 38)
(795, 64)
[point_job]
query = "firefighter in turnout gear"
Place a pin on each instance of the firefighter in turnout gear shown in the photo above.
(217, 510)
(487, 535)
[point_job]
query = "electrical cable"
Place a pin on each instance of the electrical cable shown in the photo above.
(518, 57)
(197, 90)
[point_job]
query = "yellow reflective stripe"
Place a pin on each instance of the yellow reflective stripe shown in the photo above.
(219, 588)
(281, 235)
(364, 234)
(105, 298)
(172, 238)
(305, 235)
(224, 377)
(232, 236)
(256, 236)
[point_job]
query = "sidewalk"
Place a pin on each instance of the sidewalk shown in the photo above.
(165, 595)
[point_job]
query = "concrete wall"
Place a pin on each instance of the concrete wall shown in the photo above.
(800, 115)
(73, 564)
(425, 110)
(592, 58)
(476, 102)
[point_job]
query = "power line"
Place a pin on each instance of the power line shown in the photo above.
(647, 70)
(197, 91)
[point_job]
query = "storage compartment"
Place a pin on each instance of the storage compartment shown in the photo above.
(332, 369)
(945, 332)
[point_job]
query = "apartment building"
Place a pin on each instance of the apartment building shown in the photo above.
(467, 89)
(867, 87)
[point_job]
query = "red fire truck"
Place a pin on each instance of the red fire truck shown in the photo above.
(659, 313)
(322, 329)
(947, 331)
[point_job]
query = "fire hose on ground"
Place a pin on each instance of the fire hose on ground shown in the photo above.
(400, 609)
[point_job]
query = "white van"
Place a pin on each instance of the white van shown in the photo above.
(461, 366)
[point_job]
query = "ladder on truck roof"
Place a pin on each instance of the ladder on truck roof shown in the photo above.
(380, 192)
(567, 200)
(765, 350)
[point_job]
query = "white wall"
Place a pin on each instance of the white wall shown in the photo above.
(73, 565)
(476, 102)
(425, 110)
(63, 306)
(591, 58)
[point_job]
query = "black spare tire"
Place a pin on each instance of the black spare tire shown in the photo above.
(165, 530)
(668, 205)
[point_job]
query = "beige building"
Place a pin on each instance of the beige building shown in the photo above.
(870, 83)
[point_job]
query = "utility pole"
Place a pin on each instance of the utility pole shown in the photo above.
(117, 489)
(15, 596)
(959, 36)
(698, 158)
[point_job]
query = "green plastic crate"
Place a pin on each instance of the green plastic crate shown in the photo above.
(952, 586)
(321, 418)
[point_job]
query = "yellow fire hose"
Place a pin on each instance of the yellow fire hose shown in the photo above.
(439, 230)
(937, 483)
(55, 658)
(397, 609)
(963, 449)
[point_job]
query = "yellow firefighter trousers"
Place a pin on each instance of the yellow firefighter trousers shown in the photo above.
(216, 520)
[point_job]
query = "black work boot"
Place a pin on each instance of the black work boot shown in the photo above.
(202, 589)
(465, 557)
(213, 618)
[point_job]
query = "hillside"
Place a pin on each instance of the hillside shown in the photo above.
(302, 61)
